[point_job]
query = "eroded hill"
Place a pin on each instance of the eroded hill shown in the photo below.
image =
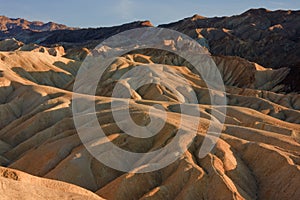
(257, 155)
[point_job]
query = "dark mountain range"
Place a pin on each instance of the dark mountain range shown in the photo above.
(61, 34)
(270, 38)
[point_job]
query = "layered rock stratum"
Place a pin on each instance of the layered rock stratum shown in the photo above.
(256, 157)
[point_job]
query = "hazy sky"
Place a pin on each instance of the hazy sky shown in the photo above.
(96, 13)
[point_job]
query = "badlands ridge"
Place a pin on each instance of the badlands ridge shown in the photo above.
(256, 157)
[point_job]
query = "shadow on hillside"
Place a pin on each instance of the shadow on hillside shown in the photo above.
(71, 66)
(48, 78)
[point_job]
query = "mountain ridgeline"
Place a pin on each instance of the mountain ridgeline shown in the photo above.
(269, 38)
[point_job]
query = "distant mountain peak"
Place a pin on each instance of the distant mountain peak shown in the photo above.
(196, 17)
(7, 24)
(147, 23)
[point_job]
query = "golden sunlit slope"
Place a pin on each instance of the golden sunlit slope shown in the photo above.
(256, 157)
(19, 185)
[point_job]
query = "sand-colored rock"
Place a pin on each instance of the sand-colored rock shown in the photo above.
(256, 157)
(19, 185)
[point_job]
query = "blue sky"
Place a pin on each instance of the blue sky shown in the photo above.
(97, 13)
